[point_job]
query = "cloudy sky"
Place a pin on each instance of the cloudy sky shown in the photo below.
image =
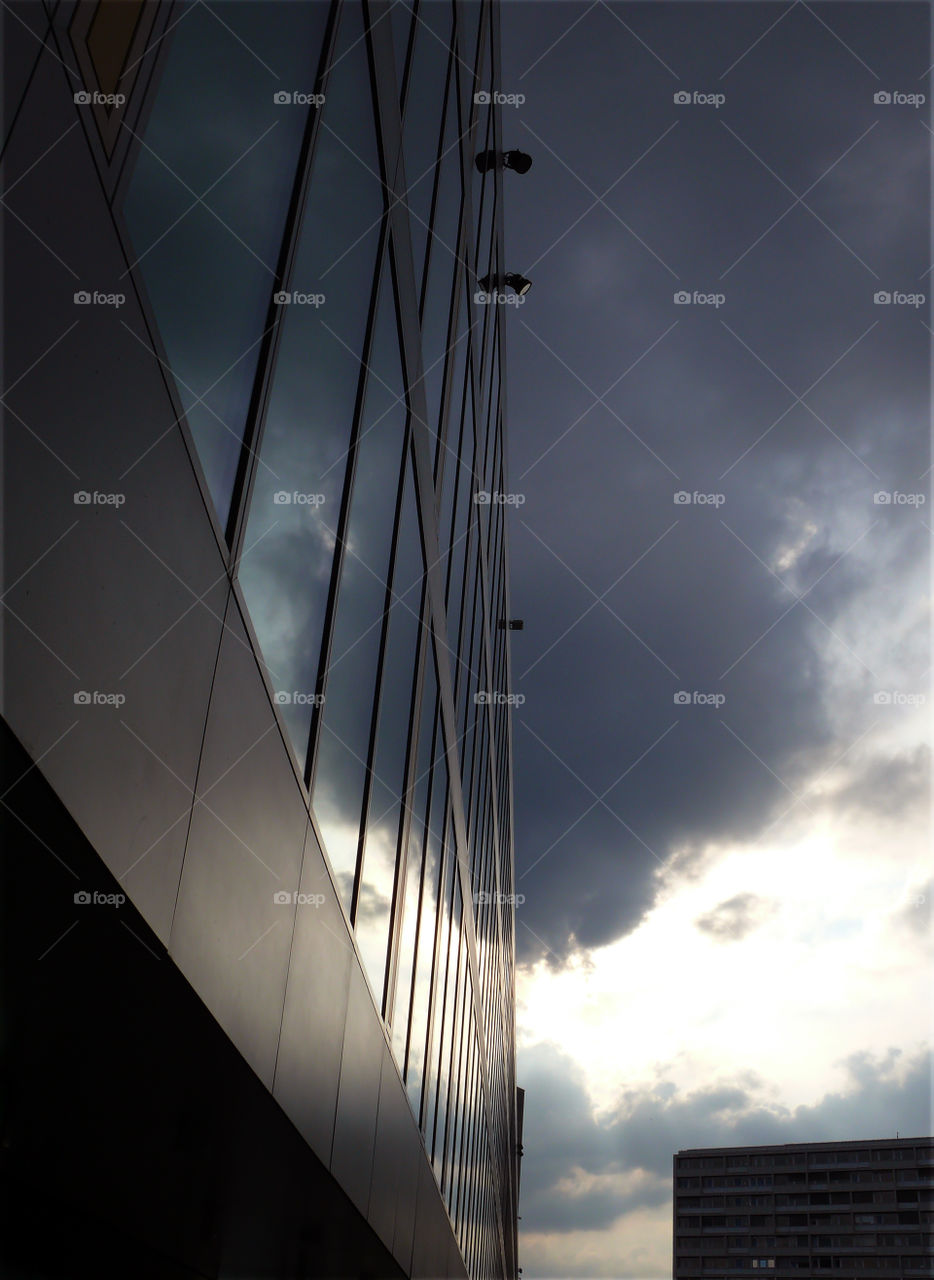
(722, 560)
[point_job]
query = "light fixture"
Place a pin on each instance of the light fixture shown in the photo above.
(512, 280)
(518, 283)
(518, 161)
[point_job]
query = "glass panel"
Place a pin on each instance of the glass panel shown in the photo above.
(433, 1061)
(447, 442)
(421, 131)
(207, 248)
(428, 912)
(442, 266)
(451, 995)
(401, 19)
(350, 680)
(468, 25)
(285, 568)
(482, 139)
(413, 872)
(378, 868)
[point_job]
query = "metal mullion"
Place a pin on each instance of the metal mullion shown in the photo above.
(399, 890)
(435, 956)
(436, 187)
(344, 519)
(421, 882)
(269, 348)
(377, 702)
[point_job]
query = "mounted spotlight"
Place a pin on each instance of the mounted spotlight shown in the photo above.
(518, 161)
(518, 283)
(512, 280)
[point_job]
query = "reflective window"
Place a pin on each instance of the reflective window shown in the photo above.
(447, 442)
(450, 976)
(421, 132)
(288, 551)
(206, 247)
(350, 680)
(427, 923)
(441, 275)
(400, 18)
(407, 930)
(378, 867)
(433, 1058)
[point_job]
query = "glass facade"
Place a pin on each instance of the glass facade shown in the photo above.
(340, 382)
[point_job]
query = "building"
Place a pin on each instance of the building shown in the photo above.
(259, 933)
(806, 1208)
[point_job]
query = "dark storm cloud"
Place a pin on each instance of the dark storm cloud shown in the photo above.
(734, 919)
(565, 1142)
(619, 398)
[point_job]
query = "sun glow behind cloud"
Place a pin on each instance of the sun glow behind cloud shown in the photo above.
(825, 967)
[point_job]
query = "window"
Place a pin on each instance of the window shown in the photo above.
(206, 248)
(349, 682)
(288, 552)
